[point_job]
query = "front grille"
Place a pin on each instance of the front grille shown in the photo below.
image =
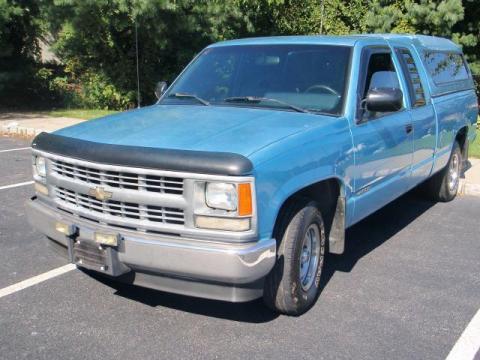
(122, 210)
(117, 179)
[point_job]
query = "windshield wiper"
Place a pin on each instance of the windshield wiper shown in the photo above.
(256, 99)
(189, 96)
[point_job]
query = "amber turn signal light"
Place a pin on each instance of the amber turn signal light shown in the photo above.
(244, 199)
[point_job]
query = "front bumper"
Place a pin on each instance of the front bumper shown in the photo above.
(208, 269)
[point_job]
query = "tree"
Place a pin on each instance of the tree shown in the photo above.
(467, 33)
(19, 31)
(19, 27)
(452, 19)
(96, 38)
(305, 17)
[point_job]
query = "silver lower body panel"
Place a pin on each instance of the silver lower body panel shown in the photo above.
(208, 269)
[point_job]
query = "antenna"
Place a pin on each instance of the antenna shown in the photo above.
(138, 72)
(321, 18)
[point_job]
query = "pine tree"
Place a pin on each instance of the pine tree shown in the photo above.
(452, 19)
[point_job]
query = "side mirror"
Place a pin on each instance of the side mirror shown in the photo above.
(384, 100)
(160, 88)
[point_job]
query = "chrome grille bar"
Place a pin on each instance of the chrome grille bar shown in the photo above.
(124, 180)
(152, 213)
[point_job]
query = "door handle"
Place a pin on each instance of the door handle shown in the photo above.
(408, 128)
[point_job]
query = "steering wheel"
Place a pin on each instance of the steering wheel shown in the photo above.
(326, 88)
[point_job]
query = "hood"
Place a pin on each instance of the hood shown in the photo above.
(191, 127)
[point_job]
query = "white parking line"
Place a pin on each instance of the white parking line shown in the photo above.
(16, 185)
(17, 149)
(469, 342)
(36, 279)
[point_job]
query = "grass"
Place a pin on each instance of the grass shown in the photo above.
(474, 150)
(86, 114)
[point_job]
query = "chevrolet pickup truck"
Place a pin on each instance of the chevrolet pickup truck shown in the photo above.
(245, 174)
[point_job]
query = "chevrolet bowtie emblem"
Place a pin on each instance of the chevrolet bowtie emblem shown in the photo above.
(99, 193)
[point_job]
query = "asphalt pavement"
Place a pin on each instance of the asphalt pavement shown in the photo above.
(406, 288)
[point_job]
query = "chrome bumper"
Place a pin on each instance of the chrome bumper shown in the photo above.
(189, 260)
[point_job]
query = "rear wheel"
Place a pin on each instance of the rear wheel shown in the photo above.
(444, 185)
(293, 284)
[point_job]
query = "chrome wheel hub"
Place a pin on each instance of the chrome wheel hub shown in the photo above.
(309, 256)
(454, 173)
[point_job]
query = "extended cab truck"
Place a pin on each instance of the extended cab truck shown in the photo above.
(254, 161)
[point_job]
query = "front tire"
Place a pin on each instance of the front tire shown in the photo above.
(292, 286)
(444, 185)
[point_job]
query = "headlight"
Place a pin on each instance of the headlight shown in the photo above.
(40, 166)
(221, 196)
(224, 205)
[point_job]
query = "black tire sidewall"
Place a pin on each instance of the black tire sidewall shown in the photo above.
(302, 299)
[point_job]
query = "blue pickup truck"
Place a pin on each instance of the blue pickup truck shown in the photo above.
(253, 162)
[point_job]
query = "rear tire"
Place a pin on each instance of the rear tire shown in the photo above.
(444, 185)
(292, 286)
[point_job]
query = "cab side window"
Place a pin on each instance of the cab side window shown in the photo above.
(381, 73)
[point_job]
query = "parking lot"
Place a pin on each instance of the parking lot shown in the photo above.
(406, 288)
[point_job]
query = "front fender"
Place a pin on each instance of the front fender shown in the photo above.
(296, 168)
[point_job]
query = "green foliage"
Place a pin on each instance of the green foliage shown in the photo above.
(91, 90)
(467, 33)
(474, 149)
(98, 37)
(296, 17)
(98, 93)
(95, 39)
(19, 29)
(19, 25)
(455, 19)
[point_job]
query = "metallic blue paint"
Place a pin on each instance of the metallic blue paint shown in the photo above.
(196, 127)
(373, 161)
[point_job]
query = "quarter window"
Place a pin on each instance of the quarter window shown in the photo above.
(445, 67)
(417, 94)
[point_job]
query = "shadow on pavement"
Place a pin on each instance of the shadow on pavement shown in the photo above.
(250, 312)
(373, 231)
(362, 239)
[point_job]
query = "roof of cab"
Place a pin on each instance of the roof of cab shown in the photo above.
(420, 42)
(423, 41)
(300, 39)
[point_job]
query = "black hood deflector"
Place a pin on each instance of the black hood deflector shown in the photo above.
(204, 162)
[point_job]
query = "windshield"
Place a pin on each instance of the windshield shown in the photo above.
(286, 77)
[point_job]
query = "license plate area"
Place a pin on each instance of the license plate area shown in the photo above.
(90, 254)
(94, 256)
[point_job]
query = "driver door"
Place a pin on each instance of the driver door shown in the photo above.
(383, 142)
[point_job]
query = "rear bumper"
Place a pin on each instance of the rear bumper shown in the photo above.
(194, 267)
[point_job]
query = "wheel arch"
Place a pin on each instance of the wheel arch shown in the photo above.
(329, 194)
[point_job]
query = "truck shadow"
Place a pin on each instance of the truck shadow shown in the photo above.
(373, 231)
(250, 312)
(362, 239)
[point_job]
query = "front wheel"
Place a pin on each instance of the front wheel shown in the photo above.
(293, 284)
(444, 185)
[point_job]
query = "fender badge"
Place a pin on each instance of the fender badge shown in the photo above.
(363, 190)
